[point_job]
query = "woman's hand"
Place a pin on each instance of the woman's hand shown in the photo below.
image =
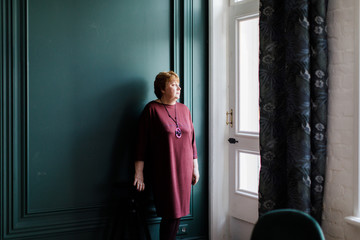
(139, 182)
(139, 176)
(195, 175)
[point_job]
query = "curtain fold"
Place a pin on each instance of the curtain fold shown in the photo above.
(293, 75)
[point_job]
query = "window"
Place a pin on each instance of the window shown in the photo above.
(248, 167)
(248, 81)
(247, 107)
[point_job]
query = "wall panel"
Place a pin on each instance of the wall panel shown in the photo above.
(74, 77)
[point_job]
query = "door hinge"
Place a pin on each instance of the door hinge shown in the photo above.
(229, 114)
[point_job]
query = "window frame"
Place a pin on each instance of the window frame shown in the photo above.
(238, 189)
(355, 219)
(234, 2)
(238, 20)
(248, 139)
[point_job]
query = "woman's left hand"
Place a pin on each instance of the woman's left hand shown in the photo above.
(196, 174)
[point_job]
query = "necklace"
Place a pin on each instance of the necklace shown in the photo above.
(177, 129)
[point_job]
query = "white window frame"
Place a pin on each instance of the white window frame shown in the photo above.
(242, 17)
(238, 190)
(355, 220)
(235, 2)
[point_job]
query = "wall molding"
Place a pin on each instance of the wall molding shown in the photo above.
(182, 56)
(188, 53)
(17, 220)
(182, 48)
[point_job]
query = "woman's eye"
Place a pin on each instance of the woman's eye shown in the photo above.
(174, 85)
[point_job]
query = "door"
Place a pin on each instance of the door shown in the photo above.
(75, 76)
(243, 114)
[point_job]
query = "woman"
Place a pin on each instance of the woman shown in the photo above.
(167, 144)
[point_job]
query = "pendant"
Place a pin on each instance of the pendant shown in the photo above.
(178, 132)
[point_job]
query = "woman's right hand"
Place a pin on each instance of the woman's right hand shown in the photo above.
(139, 176)
(139, 182)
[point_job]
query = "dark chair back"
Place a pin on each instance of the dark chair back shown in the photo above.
(287, 224)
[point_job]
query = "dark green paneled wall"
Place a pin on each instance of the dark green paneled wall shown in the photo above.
(75, 75)
(91, 63)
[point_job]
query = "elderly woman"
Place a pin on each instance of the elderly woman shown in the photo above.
(167, 144)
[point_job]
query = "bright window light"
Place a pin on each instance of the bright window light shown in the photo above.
(248, 176)
(248, 80)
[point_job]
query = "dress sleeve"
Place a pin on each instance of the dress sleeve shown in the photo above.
(143, 135)
(195, 156)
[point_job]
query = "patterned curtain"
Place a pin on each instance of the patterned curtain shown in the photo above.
(293, 105)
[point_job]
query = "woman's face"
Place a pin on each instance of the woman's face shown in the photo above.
(172, 89)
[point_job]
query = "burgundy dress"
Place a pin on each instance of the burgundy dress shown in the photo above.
(170, 158)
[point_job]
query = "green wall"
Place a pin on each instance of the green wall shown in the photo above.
(75, 75)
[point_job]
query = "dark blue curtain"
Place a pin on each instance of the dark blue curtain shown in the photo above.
(293, 104)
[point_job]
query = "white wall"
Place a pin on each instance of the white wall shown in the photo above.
(339, 194)
(240, 230)
(218, 154)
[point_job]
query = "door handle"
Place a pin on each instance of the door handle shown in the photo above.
(232, 140)
(231, 118)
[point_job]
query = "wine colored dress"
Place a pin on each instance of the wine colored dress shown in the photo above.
(170, 159)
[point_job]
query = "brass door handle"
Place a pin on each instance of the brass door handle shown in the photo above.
(231, 118)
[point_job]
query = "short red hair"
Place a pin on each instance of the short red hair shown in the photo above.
(160, 82)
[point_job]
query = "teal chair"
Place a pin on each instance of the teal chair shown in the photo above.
(287, 224)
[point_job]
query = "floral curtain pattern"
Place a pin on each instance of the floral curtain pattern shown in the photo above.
(293, 79)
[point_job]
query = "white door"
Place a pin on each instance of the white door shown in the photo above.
(244, 162)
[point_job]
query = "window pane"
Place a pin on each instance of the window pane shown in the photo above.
(248, 59)
(248, 172)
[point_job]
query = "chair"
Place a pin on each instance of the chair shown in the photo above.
(287, 224)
